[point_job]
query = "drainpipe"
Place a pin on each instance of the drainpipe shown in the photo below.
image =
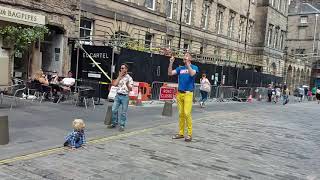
(315, 34)
(180, 25)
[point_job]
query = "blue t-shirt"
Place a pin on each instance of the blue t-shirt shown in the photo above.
(186, 82)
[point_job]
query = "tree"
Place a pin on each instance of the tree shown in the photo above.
(19, 38)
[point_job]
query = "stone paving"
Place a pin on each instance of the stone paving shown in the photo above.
(266, 142)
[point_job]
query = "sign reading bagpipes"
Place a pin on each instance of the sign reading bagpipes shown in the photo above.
(102, 55)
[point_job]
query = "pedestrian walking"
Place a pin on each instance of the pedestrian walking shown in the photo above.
(124, 82)
(277, 94)
(301, 93)
(285, 96)
(309, 95)
(318, 95)
(314, 92)
(186, 75)
(270, 93)
(205, 88)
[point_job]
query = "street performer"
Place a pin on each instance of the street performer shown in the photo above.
(186, 75)
(124, 83)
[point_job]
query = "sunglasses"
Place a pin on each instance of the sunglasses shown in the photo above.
(122, 68)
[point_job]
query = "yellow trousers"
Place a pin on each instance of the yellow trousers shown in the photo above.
(185, 101)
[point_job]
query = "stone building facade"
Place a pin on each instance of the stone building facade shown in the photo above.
(303, 41)
(217, 30)
(271, 28)
(52, 54)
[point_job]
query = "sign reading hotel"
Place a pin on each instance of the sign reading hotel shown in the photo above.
(22, 17)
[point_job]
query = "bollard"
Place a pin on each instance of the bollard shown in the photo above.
(4, 130)
(167, 109)
(107, 120)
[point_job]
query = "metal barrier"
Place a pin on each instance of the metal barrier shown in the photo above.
(220, 93)
(260, 93)
(211, 95)
(155, 88)
(245, 92)
(197, 93)
(225, 93)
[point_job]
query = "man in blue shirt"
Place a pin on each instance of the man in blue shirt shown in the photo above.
(186, 75)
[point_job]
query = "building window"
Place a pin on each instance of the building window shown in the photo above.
(272, 2)
(284, 6)
(186, 47)
(86, 28)
(304, 19)
(205, 16)
(150, 4)
(269, 40)
(229, 54)
(148, 40)
(300, 51)
(231, 24)
(219, 21)
(279, 5)
(276, 35)
(169, 42)
(188, 11)
(169, 8)
(250, 28)
(217, 52)
(202, 49)
(281, 39)
(241, 28)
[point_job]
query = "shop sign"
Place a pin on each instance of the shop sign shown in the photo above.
(22, 17)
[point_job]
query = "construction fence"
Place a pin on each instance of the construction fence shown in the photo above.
(217, 93)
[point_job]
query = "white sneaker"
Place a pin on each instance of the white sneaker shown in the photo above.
(201, 104)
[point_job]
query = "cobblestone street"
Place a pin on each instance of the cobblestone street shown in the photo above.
(277, 142)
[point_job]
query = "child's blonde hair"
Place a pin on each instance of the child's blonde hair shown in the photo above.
(78, 124)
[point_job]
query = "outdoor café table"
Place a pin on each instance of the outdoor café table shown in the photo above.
(79, 90)
(56, 86)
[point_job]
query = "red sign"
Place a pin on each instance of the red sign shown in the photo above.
(167, 93)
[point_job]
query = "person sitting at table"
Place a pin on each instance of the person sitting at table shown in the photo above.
(54, 78)
(68, 82)
(40, 78)
(54, 83)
